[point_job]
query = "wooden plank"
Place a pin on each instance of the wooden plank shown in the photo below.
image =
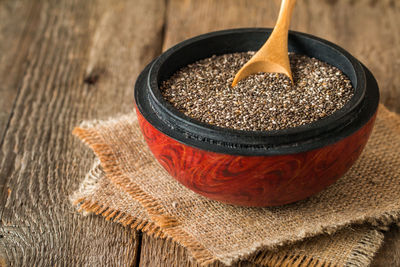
(81, 60)
(367, 29)
(16, 33)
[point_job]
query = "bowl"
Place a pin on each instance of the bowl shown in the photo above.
(255, 168)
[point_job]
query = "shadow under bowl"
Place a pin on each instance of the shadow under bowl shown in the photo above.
(255, 168)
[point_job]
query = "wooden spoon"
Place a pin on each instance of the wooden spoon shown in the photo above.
(273, 55)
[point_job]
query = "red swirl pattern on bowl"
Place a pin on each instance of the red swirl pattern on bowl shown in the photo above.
(255, 180)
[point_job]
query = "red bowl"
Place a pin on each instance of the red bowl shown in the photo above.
(253, 168)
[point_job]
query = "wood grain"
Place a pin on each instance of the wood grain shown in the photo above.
(79, 60)
(16, 33)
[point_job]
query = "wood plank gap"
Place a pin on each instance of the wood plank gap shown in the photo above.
(139, 247)
(160, 50)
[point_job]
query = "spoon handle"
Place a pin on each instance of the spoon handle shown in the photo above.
(275, 48)
(285, 14)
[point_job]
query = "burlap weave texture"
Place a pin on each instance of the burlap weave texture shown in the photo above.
(143, 195)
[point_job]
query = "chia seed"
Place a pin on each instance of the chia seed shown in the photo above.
(260, 102)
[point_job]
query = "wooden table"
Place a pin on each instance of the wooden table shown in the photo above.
(66, 61)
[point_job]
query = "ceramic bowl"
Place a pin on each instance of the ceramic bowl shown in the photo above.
(255, 168)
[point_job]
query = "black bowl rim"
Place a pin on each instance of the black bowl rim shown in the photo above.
(213, 138)
(201, 126)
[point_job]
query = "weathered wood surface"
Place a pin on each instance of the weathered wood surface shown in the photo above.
(64, 61)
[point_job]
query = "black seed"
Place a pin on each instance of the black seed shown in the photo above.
(261, 102)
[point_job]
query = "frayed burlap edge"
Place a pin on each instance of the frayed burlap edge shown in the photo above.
(362, 254)
(117, 216)
(365, 251)
(169, 225)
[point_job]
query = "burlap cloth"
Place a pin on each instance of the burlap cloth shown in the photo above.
(340, 226)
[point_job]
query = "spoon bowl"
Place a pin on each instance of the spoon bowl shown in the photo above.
(273, 55)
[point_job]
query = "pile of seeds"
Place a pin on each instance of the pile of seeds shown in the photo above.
(261, 102)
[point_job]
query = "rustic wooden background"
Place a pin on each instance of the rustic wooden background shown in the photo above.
(65, 61)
